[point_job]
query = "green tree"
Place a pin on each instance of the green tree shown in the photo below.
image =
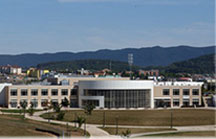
(31, 109)
(80, 120)
(57, 107)
(60, 115)
(23, 105)
(88, 108)
(126, 133)
(65, 102)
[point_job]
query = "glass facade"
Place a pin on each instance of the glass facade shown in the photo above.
(122, 98)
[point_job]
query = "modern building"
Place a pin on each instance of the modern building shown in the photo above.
(117, 94)
(108, 93)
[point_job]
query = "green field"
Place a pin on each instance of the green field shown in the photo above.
(187, 134)
(112, 130)
(14, 125)
(181, 117)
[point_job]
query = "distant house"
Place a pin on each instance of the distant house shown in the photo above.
(37, 73)
(149, 72)
(185, 79)
(11, 69)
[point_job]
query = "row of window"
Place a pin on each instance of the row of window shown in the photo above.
(14, 103)
(44, 92)
(186, 92)
(176, 102)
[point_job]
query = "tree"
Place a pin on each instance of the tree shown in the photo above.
(60, 116)
(23, 105)
(65, 102)
(88, 108)
(57, 107)
(126, 134)
(80, 120)
(31, 109)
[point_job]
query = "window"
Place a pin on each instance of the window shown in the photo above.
(196, 101)
(22, 100)
(176, 92)
(54, 101)
(13, 103)
(64, 92)
(44, 102)
(34, 102)
(175, 102)
(44, 92)
(54, 92)
(195, 92)
(165, 91)
(24, 92)
(74, 92)
(92, 102)
(34, 92)
(186, 102)
(185, 92)
(13, 92)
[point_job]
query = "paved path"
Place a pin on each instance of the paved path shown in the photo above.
(92, 129)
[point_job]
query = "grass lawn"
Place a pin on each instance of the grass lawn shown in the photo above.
(188, 134)
(112, 130)
(181, 117)
(14, 125)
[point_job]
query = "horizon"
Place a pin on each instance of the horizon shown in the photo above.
(41, 53)
(88, 25)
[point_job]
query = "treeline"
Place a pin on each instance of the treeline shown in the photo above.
(89, 64)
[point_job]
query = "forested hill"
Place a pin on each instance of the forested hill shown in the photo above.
(90, 64)
(146, 56)
(201, 65)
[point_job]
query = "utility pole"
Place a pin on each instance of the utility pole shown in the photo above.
(85, 128)
(130, 62)
(116, 125)
(110, 65)
(171, 119)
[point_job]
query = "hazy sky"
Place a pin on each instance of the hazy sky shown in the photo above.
(38, 26)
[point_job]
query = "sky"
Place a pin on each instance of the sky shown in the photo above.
(41, 26)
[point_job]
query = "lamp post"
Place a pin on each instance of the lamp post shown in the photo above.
(171, 119)
(116, 125)
(104, 121)
(85, 127)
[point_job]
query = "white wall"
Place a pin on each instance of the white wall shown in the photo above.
(3, 92)
(115, 84)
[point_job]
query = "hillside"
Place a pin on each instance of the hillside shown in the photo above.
(199, 65)
(155, 56)
(90, 64)
(202, 64)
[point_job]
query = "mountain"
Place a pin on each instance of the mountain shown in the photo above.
(155, 56)
(201, 65)
(90, 64)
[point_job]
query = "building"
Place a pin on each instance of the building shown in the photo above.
(3, 94)
(149, 72)
(11, 69)
(177, 94)
(39, 95)
(117, 94)
(108, 93)
(36, 73)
